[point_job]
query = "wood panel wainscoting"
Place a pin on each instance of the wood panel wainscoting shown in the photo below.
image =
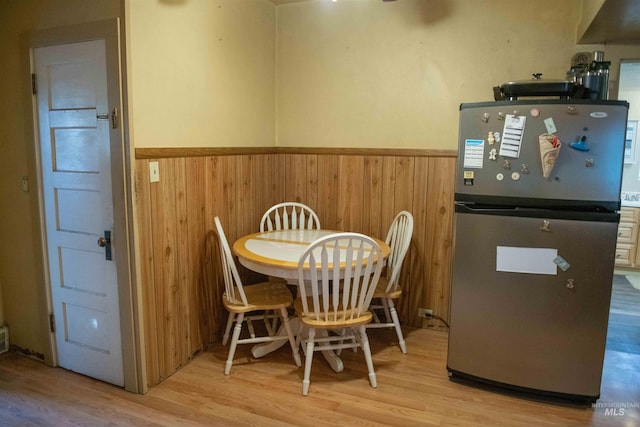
(350, 190)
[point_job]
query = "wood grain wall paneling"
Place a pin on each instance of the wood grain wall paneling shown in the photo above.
(180, 261)
(327, 207)
(388, 211)
(268, 173)
(194, 217)
(196, 231)
(147, 269)
(415, 269)
(439, 237)
(164, 229)
(186, 283)
(350, 193)
(373, 198)
(230, 171)
(212, 286)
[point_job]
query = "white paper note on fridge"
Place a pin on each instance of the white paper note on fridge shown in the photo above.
(526, 260)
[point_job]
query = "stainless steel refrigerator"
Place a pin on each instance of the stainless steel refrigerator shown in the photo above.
(537, 195)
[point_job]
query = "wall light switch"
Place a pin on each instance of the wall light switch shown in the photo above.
(154, 172)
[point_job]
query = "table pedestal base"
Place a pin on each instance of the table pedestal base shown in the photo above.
(260, 350)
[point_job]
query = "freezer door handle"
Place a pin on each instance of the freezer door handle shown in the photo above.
(546, 214)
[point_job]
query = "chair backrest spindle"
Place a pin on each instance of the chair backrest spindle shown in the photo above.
(234, 291)
(398, 239)
(289, 216)
(345, 276)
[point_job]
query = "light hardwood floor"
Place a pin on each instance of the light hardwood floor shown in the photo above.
(413, 389)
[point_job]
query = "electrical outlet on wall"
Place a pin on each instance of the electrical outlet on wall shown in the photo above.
(425, 313)
(154, 172)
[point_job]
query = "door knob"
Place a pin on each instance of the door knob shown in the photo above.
(105, 242)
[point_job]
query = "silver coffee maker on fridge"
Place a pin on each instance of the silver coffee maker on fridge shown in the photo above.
(591, 72)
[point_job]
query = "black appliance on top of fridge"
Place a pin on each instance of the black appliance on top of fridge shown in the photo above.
(537, 195)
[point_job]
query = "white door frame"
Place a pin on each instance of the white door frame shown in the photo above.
(121, 172)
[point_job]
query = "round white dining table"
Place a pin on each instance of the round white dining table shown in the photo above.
(276, 253)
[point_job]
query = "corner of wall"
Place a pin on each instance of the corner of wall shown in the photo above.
(590, 9)
(276, 52)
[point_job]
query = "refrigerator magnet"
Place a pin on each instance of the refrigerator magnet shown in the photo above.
(562, 263)
(473, 153)
(550, 125)
(549, 150)
(468, 177)
(512, 136)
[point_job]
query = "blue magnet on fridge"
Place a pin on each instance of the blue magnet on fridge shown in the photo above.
(562, 263)
(580, 145)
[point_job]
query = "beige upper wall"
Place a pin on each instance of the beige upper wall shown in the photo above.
(365, 73)
(356, 73)
(201, 73)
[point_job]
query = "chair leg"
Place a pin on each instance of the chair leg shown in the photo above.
(376, 319)
(274, 323)
(267, 323)
(299, 340)
(227, 329)
(342, 332)
(385, 305)
(308, 361)
(252, 332)
(292, 339)
(234, 343)
(364, 342)
(396, 324)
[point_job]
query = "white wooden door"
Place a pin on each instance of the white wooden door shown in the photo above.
(76, 172)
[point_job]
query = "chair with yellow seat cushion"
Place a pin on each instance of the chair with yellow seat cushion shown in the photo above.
(335, 295)
(241, 301)
(388, 290)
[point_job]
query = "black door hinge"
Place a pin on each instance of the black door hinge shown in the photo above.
(52, 323)
(34, 85)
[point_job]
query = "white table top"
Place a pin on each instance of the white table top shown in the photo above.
(276, 253)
